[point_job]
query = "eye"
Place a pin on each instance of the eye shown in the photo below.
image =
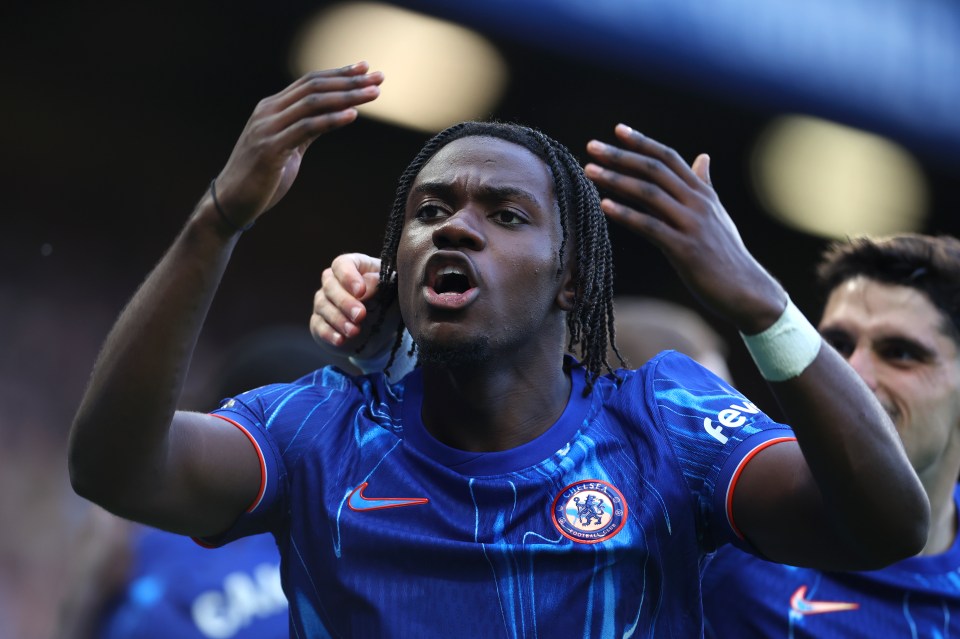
(897, 354)
(430, 211)
(902, 352)
(841, 341)
(509, 217)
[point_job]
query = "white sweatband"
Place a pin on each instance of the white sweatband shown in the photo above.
(784, 350)
(375, 362)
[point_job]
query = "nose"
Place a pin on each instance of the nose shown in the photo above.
(460, 230)
(861, 359)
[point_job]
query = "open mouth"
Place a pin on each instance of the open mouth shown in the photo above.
(451, 279)
(450, 283)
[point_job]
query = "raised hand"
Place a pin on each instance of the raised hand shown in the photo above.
(266, 158)
(341, 307)
(675, 207)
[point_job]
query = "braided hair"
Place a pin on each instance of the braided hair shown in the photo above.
(590, 322)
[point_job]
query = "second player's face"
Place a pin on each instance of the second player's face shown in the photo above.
(478, 256)
(896, 340)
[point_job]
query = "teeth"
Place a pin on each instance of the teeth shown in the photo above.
(451, 270)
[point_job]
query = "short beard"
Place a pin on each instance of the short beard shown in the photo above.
(475, 351)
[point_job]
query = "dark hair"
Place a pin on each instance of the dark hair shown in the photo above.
(930, 264)
(590, 322)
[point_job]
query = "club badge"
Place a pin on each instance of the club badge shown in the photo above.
(589, 511)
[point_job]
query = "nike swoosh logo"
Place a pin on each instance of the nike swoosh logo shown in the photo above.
(359, 501)
(800, 603)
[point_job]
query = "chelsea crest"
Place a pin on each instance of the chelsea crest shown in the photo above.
(589, 511)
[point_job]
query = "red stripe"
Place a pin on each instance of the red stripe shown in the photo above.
(736, 476)
(263, 463)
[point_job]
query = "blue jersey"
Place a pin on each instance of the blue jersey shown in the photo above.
(596, 528)
(179, 589)
(748, 597)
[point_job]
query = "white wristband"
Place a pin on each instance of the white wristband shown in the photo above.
(375, 362)
(787, 348)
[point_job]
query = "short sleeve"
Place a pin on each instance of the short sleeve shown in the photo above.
(714, 431)
(281, 421)
(246, 413)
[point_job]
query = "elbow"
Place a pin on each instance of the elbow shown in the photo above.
(108, 470)
(912, 526)
(81, 471)
(900, 537)
(80, 482)
(88, 468)
(914, 531)
(91, 479)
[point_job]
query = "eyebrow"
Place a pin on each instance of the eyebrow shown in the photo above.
(884, 339)
(899, 340)
(487, 193)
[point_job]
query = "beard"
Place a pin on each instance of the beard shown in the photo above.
(474, 351)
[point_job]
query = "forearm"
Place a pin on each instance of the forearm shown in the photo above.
(854, 494)
(868, 486)
(120, 432)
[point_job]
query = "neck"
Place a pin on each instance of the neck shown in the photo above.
(943, 513)
(943, 531)
(492, 407)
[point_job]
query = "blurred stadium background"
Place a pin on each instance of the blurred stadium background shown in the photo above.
(823, 118)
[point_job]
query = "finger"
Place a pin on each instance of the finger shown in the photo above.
(350, 270)
(323, 333)
(351, 76)
(653, 198)
(315, 90)
(644, 145)
(635, 164)
(656, 231)
(346, 304)
(298, 116)
(335, 314)
(372, 282)
(357, 68)
(701, 166)
(308, 119)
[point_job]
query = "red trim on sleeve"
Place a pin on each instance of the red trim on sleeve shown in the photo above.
(203, 544)
(263, 463)
(736, 476)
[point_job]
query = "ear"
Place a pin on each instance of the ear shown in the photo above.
(567, 295)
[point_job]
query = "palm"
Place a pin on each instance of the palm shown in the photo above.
(288, 173)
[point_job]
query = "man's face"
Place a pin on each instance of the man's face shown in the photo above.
(896, 340)
(478, 255)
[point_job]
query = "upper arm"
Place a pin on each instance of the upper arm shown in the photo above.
(778, 507)
(210, 474)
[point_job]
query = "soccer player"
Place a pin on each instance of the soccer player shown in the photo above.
(500, 489)
(893, 311)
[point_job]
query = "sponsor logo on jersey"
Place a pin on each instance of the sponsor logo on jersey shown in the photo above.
(800, 604)
(589, 511)
(359, 501)
(732, 417)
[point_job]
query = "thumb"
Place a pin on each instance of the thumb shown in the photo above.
(371, 282)
(365, 264)
(701, 166)
(350, 270)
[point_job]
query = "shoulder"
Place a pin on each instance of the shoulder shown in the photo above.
(324, 386)
(679, 394)
(289, 418)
